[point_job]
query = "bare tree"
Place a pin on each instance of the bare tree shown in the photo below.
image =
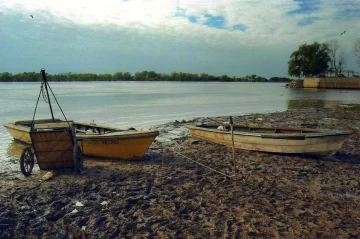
(341, 61)
(357, 49)
(337, 56)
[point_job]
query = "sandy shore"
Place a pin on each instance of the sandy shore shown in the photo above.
(168, 196)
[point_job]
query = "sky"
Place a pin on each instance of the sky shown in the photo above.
(217, 37)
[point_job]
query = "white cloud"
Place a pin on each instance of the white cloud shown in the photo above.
(268, 23)
(148, 12)
(262, 18)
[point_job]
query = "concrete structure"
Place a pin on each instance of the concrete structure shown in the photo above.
(332, 83)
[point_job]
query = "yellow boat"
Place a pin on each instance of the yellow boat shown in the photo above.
(94, 140)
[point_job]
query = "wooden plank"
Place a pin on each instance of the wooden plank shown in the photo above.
(53, 149)
(52, 125)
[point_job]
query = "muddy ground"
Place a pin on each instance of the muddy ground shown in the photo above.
(167, 195)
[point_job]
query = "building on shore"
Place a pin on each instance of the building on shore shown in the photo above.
(332, 83)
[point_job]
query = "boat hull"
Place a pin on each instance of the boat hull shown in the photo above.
(19, 133)
(288, 144)
(20, 130)
(122, 145)
(123, 148)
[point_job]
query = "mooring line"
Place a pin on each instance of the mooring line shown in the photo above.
(229, 176)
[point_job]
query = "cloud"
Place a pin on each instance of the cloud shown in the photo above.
(346, 14)
(306, 7)
(240, 27)
(307, 21)
(224, 37)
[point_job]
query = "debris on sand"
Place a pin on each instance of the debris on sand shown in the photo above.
(79, 204)
(74, 211)
(48, 176)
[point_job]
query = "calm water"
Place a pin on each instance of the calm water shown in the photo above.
(143, 104)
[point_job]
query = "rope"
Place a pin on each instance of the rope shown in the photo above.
(214, 170)
(59, 105)
(44, 94)
(37, 102)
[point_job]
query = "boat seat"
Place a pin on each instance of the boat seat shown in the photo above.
(87, 131)
(81, 131)
(52, 125)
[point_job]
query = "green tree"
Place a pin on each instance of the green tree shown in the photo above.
(105, 77)
(140, 76)
(5, 76)
(118, 76)
(127, 76)
(309, 60)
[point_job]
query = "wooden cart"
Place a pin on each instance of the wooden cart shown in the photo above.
(53, 143)
(54, 146)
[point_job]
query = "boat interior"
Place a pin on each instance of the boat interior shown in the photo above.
(92, 128)
(80, 128)
(257, 129)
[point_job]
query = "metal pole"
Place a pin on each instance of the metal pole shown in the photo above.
(233, 147)
(47, 93)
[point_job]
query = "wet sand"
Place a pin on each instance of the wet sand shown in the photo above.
(169, 196)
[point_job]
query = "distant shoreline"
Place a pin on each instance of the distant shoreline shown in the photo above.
(15, 81)
(139, 76)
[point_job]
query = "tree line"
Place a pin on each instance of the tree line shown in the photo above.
(320, 59)
(139, 76)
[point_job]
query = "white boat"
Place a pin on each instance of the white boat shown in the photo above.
(273, 139)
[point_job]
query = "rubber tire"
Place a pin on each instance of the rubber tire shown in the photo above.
(25, 152)
(77, 154)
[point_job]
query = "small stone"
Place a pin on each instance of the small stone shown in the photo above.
(353, 183)
(47, 176)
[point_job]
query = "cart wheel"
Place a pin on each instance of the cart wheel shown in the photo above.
(78, 159)
(26, 161)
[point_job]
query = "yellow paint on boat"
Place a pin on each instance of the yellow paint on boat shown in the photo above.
(20, 130)
(18, 133)
(129, 148)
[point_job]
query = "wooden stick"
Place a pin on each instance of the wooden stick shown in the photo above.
(41, 181)
(233, 147)
(204, 165)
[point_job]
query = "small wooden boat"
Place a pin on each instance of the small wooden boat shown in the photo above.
(93, 139)
(109, 142)
(273, 139)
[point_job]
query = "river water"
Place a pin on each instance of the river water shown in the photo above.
(144, 104)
